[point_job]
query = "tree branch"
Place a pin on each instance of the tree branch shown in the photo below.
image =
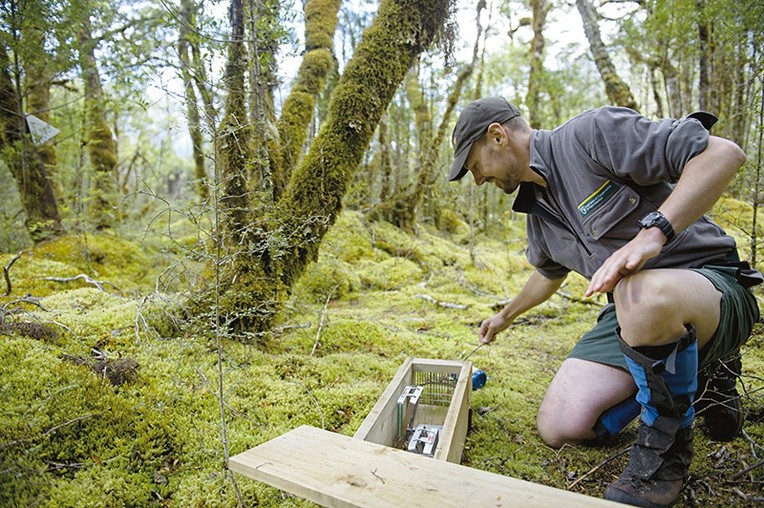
(6, 273)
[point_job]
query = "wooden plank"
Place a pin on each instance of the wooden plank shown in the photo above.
(339, 471)
(381, 424)
(455, 427)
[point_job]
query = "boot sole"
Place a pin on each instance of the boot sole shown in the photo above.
(619, 496)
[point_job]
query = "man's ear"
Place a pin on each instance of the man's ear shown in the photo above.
(496, 133)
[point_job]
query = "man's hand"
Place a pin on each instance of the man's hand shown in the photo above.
(627, 260)
(492, 326)
(537, 289)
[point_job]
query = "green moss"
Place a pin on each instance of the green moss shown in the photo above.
(327, 278)
(349, 239)
(389, 274)
(101, 257)
(449, 222)
(320, 23)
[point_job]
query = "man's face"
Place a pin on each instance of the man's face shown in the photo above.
(491, 160)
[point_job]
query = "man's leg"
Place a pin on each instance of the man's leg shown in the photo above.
(665, 317)
(717, 399)
(579, 394)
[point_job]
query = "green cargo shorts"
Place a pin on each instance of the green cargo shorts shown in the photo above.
(739, 313)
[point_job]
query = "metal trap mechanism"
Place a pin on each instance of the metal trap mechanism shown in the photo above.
(422, 408)
(425, 409)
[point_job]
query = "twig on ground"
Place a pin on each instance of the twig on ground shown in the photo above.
(585, 301)
(4, 310)
(598, 466)
(321, 323)
(746, 470)
(754, 444)
(318, 406)
(49, 431)
(86, 278)
(6, 273)
(445, 305)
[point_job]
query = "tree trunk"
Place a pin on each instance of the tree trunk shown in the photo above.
(263, 46)
(36, 193)
(616, 89)
(385, 164)
(320, 25)
(38, 80)
(402, 210)
(535, 76)
(422, 118)
(102, 149)
(286, 241)
(704, 48)
(235, 135)
(188, 12)
(673, 87)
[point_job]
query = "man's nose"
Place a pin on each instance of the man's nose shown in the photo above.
(479, 179)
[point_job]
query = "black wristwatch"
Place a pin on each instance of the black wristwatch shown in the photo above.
(658, 220)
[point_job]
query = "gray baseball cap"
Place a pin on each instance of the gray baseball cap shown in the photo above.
(472, 124)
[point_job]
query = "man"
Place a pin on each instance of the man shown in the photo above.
(620, 199)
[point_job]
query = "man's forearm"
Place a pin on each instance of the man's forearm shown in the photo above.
(703, 181)
(536, 290)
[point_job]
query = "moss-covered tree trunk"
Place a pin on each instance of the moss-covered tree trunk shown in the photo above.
(187, 22)
(235, 135)
(37, 199)
(288, 239)
(535, 76)
(385, 164)
(401, 210)
(422, 118)
(263, 21)
(616, 89)
(318, 61)
(102, 150)
(38, 82)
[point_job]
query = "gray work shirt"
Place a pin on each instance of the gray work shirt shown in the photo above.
(606, 169)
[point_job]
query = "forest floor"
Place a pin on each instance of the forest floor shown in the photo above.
(110, 398)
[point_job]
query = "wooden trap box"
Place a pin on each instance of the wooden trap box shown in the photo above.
(370, 470)
(442, 401)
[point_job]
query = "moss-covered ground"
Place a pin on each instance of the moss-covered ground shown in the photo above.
(109, 399)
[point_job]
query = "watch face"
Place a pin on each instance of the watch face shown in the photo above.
(650, 219)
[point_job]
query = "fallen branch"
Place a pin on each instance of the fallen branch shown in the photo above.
(27, 299)
(321, 323)
(86, 278)
(747, 470)
(598, 466)
(6, 273)
(445, 305)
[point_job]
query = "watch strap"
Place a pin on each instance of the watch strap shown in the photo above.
(657, 219)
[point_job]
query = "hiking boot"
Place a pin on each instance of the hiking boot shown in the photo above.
(666, 377)
(718, 400)
(654, 478)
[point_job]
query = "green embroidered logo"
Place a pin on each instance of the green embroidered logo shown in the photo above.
(597, 197)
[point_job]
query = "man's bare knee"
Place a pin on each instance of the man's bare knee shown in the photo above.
(558, 427)
(646, 313)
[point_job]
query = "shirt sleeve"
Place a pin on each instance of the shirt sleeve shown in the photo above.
(645, 151)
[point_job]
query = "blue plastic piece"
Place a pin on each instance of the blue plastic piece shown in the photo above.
(479, 379)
